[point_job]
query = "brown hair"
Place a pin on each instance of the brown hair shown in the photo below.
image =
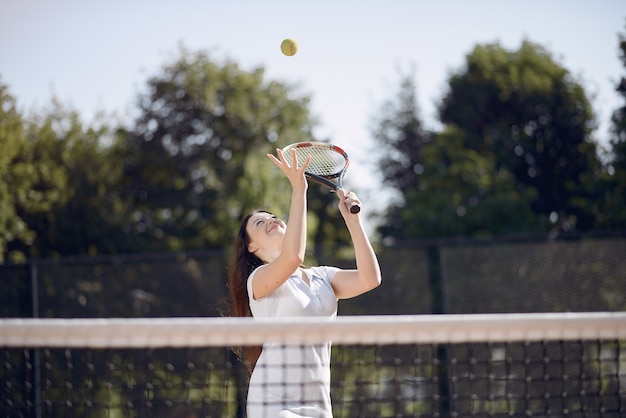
(242, 265)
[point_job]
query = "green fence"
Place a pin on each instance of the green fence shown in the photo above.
(439, 276)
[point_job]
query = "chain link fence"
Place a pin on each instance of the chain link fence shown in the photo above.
(473, 276)
(470, 276)
(439, 276)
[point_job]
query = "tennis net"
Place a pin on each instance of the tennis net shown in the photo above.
(513, 365)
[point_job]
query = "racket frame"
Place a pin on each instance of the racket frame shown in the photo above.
(326, 180)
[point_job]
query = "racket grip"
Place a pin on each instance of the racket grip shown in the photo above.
(355, 208)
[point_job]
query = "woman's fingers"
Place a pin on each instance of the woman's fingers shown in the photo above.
(304, 166)
(283, 163)
(347, 199)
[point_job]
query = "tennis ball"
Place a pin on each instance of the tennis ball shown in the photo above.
(289, 47)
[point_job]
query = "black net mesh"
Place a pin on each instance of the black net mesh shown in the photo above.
(540, 379)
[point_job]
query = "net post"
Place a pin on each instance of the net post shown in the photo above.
(439, 308)
(34, 283)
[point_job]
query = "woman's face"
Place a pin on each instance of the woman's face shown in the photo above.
(265, 232)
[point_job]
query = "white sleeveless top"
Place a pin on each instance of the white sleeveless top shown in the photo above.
(294, 381)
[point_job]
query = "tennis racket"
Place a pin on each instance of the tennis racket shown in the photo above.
(328, 163)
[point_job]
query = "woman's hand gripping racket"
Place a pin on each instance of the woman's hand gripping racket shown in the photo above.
(328, 162)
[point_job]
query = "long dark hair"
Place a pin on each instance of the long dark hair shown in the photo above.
(243, 263)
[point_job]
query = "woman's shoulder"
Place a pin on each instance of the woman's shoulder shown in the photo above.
(250, 276)
(323, 271)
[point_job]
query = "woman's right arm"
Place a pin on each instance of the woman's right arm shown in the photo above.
(272, 275)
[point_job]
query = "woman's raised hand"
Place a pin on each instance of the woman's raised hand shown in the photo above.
(294, 173)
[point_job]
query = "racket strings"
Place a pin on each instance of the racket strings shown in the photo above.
(324, 162)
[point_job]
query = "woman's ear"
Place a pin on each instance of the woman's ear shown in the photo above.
(252, 248)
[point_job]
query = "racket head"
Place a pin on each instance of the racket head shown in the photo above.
(327, 160)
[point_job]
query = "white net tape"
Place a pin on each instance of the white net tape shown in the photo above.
(401, 329)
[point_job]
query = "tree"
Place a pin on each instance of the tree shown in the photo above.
(619, 116)
(72, 197)
(14, 183)
(461, 192)
(444, 188)
(401, 133)
(328, 234)
(401, 137)
(180, 178)
(34, 171)
(515, 155)
(196, 156)
(528, 113)
(613, 206)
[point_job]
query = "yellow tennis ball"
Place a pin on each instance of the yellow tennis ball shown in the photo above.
(289, 47)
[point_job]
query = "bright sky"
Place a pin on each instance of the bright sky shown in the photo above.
(96, 56)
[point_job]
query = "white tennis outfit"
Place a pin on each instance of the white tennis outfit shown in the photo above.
(294, 381)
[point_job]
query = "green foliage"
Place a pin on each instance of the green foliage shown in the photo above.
(399, 131)
(196, 158)
(533, 119)
(76, 175)
(515, 155)
(612, 210)
(14, 182)
(619, 116)
(327, 230)
(36, 180)
(461, 192)
(180, 178)
(445, 187)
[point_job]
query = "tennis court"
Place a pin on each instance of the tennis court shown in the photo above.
(525, 328)
(549, 365)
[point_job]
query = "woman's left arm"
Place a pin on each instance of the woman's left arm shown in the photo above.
(351, 283)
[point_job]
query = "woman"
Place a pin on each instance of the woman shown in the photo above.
(267, 280)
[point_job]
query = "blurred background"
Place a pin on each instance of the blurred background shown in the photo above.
(488, 145)
(488, 142)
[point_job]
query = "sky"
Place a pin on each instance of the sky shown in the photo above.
(97, 56)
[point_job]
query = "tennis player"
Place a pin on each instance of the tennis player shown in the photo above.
(267, 280)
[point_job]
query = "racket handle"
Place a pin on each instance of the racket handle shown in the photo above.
(355, 208)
